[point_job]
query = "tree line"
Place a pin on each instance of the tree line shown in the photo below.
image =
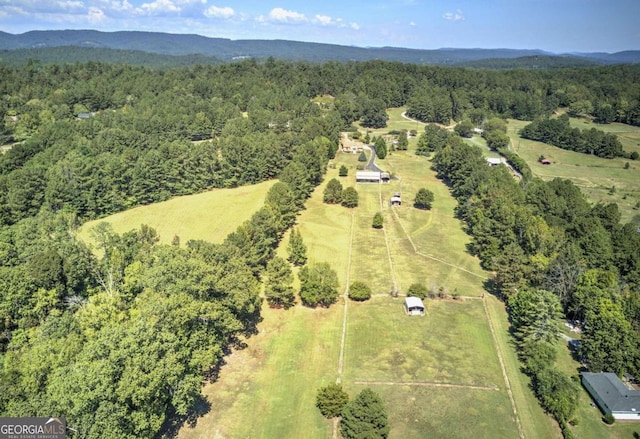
(554, 255)
(558, 132)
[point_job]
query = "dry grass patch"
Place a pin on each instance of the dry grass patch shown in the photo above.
(209, 216)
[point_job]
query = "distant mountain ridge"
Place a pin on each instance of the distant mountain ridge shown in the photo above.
(225, 49)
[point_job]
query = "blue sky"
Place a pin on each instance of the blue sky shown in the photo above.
(553, 25)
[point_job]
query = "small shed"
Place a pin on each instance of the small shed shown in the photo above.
(385, 177)
(396, 200)
(494, 161)
(413, 306)
(612, 396)
(545, 161)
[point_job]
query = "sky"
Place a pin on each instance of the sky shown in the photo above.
(558, 26)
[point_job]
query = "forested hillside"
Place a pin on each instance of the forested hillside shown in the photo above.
(126, 338)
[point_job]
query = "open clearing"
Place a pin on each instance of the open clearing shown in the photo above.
(209, 216)
(443, 375)
(595, 176)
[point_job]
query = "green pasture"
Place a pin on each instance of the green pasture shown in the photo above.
(268, 389)
(210, 215)
(595, 176)
(445, 413)
(445, 346)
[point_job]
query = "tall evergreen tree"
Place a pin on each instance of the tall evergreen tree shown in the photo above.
(350, 197)
(297, 249)
(381, 148)
(278, 289)
(365, 417)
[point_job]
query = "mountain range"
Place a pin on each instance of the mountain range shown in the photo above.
(205, 49)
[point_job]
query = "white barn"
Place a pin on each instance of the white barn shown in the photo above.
(413, 306)
(368, 177)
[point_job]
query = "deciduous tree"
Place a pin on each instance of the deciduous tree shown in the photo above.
(332, 192)
(318, 284)
(424, 199)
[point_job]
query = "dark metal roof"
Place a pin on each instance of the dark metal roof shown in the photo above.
(617, 397)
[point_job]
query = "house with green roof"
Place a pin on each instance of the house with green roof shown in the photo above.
(612, 395)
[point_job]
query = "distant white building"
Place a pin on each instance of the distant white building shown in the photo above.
(494, 161)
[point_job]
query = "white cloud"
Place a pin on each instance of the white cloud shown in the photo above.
(324, 20)
(219, 12)
(159, 7)
(412, 23)
(453, 16)
(95, 15)
(116, 5)
(354, 26)
(284, 16)
(67, 5)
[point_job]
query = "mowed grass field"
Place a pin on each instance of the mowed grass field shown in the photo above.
(595, 176)
(440, 375)
(210, 215)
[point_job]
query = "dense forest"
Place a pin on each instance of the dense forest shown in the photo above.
(125, 338)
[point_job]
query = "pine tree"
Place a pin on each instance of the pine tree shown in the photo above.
(297, 249)
(381, 148)
(350, 197)
(365, 417)
(331, 400)
(278, 287)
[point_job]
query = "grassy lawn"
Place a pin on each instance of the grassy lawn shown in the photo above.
(595, 176)
(445, 346)
(210, 215)
(268, 389)
(439, 413)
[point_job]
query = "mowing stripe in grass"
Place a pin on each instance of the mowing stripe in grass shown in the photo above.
(346, 301)
(504, 370)
(415, 249)
(386, 243)
(425, 384)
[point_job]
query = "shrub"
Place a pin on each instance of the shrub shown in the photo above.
(362, 157)
(608, 419)
(417, 290)
(377, 221)
(344, 171)
(359, 291)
